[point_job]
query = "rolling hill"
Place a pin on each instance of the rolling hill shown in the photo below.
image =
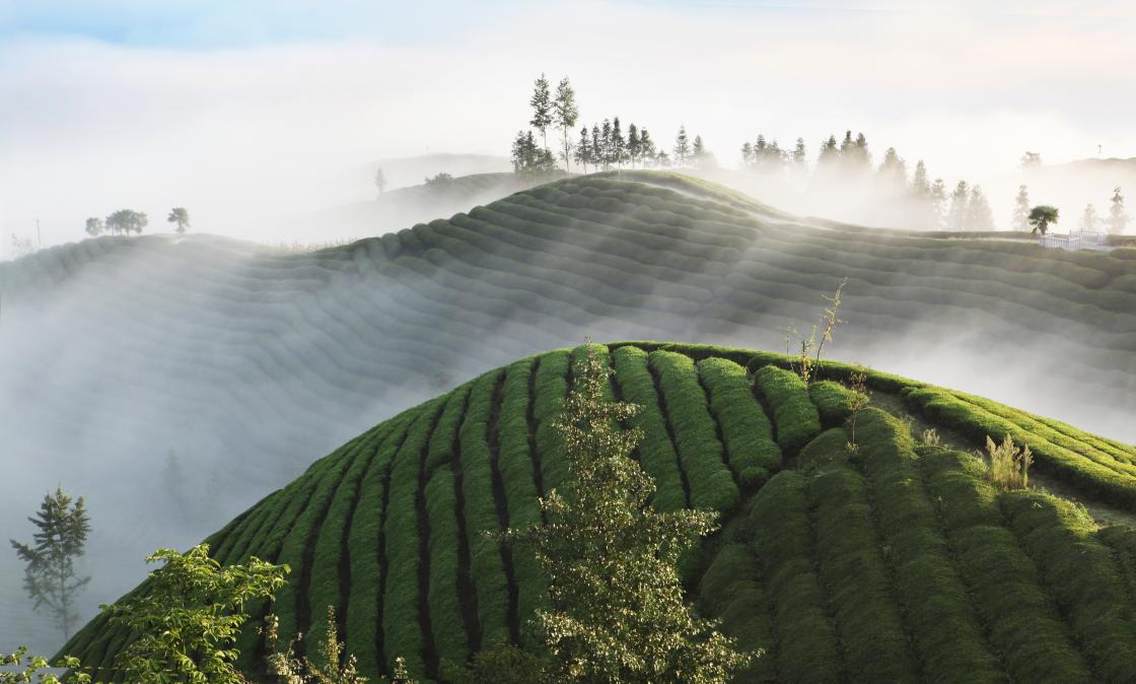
(211, 370)
(898, 561)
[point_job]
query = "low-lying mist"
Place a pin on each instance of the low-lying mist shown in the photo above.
(173, 382)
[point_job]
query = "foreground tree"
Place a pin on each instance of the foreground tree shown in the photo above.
(188, 617)
(50, 578)
(179, 216)
(94, 226)
(1041, 216)
(1117, 217)
(566, 114)
(617, 610)
(127, 221)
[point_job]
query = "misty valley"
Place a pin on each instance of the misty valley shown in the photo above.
(718, 390)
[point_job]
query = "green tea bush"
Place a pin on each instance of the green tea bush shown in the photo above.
(794, 415)
(1006, 591)
(712, 485)
(807, 647)
(656, 451)
(946, 632)
(746, 431)
(852, 571)
(834, 401)
(730, 590)
(1083, 575)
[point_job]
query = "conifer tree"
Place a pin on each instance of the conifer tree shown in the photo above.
(584, 149)
(920, 187)
(1117, 217)
(541, 103)
(698, 151)
(606, 145)
(1021, 209)
(681, 146)
(598, 149)
(50, 577)
(938, 201)
(799, 153)
(617, 611)
(618, 145)
(893, 170)
(646, 146)
(747, 154)
(829, 152)
(978, 213)
(634, 145)
(566, 115)
(958, 215)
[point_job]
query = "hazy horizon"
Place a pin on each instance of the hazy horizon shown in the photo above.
(249, 113)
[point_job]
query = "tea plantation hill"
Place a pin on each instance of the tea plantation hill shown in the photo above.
(899, 562)
(118, 352)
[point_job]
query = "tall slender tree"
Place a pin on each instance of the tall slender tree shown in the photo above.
(541, 103)
(566, 113)
(616, 608)
(957, 216)
(920, 186)
(938, 201)
(646, 146)
(1020, 220)
(584, 149)
(681, 146)
(606, 145)
(799, 153)
(747, 154)
(698, 151)
(50, 576)
(978, 213)
(829, 152)
(1117, 217)
(618, 144)
(893, 170)
(380, 180)
(1089, 219)
(634, 144)
(598, 147)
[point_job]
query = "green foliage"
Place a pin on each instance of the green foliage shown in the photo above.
(835, 403)
(712, 486)
(617, 612)
(19, 668)
(1041, 216)
(806, 648)
(188, 618)
(334, 666)
(126, 221)
(746, 430)
(794, 416)
(731, 591)
(180, 217)
(50, 577)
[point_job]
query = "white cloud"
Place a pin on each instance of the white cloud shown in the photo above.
(244, 133)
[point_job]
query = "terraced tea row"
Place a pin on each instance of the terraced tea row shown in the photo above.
(830, 568)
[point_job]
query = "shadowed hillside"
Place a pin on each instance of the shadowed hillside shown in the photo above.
(898, 561)
(213, 370)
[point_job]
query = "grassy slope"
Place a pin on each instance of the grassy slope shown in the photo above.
(896, 564)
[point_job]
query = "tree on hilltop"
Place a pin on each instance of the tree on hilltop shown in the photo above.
(699, 154)
(1041, 216)
(978, 213)
(799, 153)
(616, 610)
(1021, 209)
(94, 226)
(180, 216)
(127, 221)
(50, 577)
(1089, 219)
(920, 186)
(958, 214)
(647, 150)
(527, 158)
(1117, 218)
(893, 170)
(681, 146)
(541, 103)
(634, 144)
(829, 152)
(583, 152)
(618, 144)
(566, 113)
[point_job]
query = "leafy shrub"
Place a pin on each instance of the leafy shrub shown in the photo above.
(1009, 465)
(795, 417)
(834, 401)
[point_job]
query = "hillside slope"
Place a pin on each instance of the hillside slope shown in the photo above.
(898, 562)
(164, 357)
